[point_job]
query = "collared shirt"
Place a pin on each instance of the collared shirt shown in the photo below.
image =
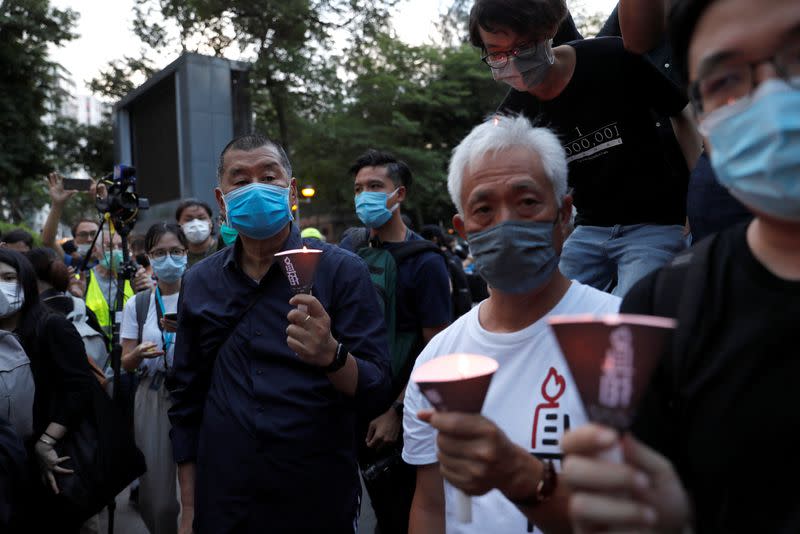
(271, 437)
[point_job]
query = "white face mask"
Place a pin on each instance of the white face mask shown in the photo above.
(12, 297)
(196, 230)
(83, 248)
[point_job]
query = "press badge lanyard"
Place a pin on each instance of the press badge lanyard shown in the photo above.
(167, 338)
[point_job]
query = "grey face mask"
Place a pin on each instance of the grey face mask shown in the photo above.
(527, 69)
(515, 256)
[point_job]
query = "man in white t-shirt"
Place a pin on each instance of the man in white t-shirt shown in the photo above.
(508, 182)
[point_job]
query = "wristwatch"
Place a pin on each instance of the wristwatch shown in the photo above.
(544, 489)
(339, 359)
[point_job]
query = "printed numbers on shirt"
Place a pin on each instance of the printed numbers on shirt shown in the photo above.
(593, 143)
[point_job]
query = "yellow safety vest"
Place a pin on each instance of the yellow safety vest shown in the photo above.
(96, 301)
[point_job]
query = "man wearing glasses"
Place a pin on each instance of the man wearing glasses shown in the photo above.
(720, 431)
(598, 98)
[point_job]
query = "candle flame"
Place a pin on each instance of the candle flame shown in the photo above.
(496, 120)
(462, 365)
(305, 249)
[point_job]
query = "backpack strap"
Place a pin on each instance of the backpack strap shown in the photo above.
(142, 307)
(413, 248)
(78, 310)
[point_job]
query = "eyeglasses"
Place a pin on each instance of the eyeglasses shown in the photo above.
(726, 84)
(86, 234)
(160, 253)
(498, 60)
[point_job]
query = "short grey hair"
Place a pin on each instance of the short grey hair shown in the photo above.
(501, 132)
(251, 142)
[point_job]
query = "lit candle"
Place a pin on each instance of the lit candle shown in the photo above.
(299, 266)
(612, 358)
(458, 383)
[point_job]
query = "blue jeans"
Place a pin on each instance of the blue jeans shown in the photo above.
(599, 256)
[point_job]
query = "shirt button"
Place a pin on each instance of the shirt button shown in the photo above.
(666, 65)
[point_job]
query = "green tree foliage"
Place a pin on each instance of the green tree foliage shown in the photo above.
(29, 90)
(417, 102)
(331, 79)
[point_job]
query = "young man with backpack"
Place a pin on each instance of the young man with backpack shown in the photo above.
(411, 277)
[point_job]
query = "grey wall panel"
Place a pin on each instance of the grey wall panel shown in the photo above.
(205, 109)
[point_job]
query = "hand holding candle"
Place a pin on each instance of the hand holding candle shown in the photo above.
(612, 358)
(309, 331)
(458, 383)
(299, 266)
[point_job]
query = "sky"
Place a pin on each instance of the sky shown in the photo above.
(105, 34)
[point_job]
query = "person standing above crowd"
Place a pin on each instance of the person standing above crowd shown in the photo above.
(725, 392)
(597, 97)
(197, 222)
(508, 183)
(148, 346)
(420, 302)
(63, 390)
(267, 387)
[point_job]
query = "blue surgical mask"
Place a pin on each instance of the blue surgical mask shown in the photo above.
(755, 149)
(170, 268)
(527, 69)
(111, 260)
(515, 256)
(371, 208)
(258, 211)
(228, 234)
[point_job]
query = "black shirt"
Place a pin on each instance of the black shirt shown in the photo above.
(271, 437)
(725, 411)
(615, 154)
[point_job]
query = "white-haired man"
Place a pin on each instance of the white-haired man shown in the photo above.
(508, 182)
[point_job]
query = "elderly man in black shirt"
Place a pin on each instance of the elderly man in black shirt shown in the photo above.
(268, 386)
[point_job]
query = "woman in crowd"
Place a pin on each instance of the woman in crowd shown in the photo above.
(63, 384)
(53, 279)
(149, 348)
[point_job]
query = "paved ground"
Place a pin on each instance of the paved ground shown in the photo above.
(126, 519)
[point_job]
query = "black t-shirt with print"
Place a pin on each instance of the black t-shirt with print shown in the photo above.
(725, 410)
(617, 163)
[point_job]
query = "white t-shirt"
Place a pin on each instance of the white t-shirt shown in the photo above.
(151, 332)
(532, 398)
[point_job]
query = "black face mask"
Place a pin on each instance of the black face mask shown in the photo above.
(143, 260)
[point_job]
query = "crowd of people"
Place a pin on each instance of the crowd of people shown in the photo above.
(651, 170)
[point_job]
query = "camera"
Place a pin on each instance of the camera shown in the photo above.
(121, 201)
(383, 465)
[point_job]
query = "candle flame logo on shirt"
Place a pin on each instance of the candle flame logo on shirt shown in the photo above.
(291, 274)
(616, 380)
(552, 389)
